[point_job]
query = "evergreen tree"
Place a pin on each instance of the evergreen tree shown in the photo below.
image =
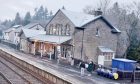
(17, 20)
(134, 51)
(27, 18)
(51, 13)
(35, 17)
(46, 14)
(7, 23)
(41, 13)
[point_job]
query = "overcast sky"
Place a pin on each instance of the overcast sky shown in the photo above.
(8, 8)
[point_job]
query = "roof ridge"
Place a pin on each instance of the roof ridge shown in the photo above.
(76, 12)
(78, 18)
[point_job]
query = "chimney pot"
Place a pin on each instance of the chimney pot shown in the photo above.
(98, 12)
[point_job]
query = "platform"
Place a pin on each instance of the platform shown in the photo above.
(65, 72)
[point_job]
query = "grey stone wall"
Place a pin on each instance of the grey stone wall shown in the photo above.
(91, 41)
(123, 43)
(60, 18)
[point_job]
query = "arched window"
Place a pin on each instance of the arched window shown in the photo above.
(58, 29)
(54, 30)
(51, 29)
(67, 29)
(62, 30)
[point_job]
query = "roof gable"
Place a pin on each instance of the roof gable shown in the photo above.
(113, 29)
(31, 25)
(9, 30)
(78, 19)
(30, 33)
(82, 19)
(104, 49)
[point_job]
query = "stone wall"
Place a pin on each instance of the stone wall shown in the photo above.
(91, 41)
(60, 18)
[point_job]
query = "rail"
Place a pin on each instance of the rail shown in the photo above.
(43, 74)
(16, 73)
(9, 82)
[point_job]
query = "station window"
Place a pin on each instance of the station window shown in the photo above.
(51, 29)
(97, 32)
(67, 29)
(108, 56)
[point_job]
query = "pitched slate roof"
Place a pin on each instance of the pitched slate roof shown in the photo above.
(9, 30)
(105, 49)
(30, 25)
(81, 19)
(13, 28)
(51, 38)
(30, 33)
(17, 26)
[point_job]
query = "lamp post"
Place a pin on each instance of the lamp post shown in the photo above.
(82, 45)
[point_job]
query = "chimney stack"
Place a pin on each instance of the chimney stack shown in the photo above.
(63, 8)
(98, 12)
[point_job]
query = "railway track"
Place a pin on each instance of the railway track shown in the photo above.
(4, 79)
(22, 76)
(32, 72)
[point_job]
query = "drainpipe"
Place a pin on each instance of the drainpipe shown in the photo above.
(34, 46)
(82, 46)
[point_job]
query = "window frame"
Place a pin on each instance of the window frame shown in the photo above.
(98, 32)
(108, 56)
(67, 30)
(51, 29)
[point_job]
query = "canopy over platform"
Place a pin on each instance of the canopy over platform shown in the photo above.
(51, 38)
(104, 49)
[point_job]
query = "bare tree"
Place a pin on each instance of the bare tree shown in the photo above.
(103, 5)
(125, 18)
(134, 7)
(89, 10)
(133, 22)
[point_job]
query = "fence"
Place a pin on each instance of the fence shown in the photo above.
(128, 74)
